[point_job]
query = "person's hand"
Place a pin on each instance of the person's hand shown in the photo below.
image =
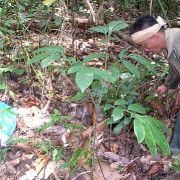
(161, 90)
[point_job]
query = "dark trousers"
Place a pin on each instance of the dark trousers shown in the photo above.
(175, 142)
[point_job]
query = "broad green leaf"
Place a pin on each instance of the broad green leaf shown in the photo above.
(156, 123)
(139, 130)
(79, 96)
(49, 60)
(127, 121)
(107, 107)
(149, 139)
(153, 134)
(50, 49)
(100, 29)
(38, 58)
(131, 68)
(118, 127)
(5, 30)
(75, 68)
(84, 79)
(143, 61)
(123, 54)
(111, 121)
(120, 102)
(94, 56)
(103, 74)
(137, 108)
(116, 26)
(117, 114)
(115, 71)
(158, 136)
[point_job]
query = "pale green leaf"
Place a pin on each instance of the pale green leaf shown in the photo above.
(137, 108)
(149, 140)
(143, 61)
(103, 74)
(75, 68)
(117, 114)
(157, 123)
(115, 71)
(120, 102)
(111, 121)
(116, 26)
(48, 2)
(100, 29)
(132, 68)
(139, 130)
(127, 121)
(107, 107)
(84, 79)
(38, 58)
(49, 60)
(51, 49)
(158, 135)
(123, 54)
(94, 56)
(154, 134)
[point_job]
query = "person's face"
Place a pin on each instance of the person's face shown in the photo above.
(153, 44)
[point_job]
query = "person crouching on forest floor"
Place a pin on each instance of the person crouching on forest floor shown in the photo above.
(152, 36)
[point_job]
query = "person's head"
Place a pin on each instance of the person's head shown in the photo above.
(148, 33)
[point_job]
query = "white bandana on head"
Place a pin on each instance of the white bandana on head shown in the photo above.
(142, 35)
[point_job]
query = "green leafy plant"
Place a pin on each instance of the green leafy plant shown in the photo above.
(48, 148)
(85, 75)
(110, 27)
(57, 117)
(47, 55)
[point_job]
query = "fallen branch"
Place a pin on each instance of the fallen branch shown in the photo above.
(91, 10)
(124, 37)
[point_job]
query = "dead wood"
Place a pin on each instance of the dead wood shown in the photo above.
(124, 37)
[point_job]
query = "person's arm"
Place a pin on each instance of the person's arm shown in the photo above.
(172, 80)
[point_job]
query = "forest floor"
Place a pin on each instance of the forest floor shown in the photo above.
(42, 153)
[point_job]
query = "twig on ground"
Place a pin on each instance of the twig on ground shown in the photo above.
(91, 10)
(81, 174)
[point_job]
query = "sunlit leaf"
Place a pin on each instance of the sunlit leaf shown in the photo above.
(137, 108)
(153, 133)
(48, 2)
(84, 79)
(94, 56)
(139, 130)
(117, 114)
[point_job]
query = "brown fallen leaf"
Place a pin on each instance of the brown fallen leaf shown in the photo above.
(38, 165)
(115, 148)
(107, 172)
(88, 132)
(155, 168)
